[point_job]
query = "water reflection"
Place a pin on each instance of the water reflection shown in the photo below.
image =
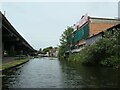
(52, 73)
(97, 77)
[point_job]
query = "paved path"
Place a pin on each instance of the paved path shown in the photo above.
(7, 59)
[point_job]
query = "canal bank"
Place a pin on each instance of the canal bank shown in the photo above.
(7, 65)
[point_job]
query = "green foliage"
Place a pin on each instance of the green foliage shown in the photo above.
(64, 36)
(61, 53)
(105, 52)
(111, 61)
(40, 50)
(45, 50)
(64, 43)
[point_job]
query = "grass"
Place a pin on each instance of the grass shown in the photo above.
(12, 64)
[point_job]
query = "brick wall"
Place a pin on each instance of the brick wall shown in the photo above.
(99, 27)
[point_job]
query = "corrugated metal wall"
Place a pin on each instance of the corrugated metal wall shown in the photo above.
(78, 35)
(81, 33)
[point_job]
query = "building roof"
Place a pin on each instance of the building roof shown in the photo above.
(90, 17)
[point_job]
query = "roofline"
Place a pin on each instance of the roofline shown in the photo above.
(115, 26)
(103, 18)
(96, 35)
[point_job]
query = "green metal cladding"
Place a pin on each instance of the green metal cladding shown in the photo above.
(81, 33)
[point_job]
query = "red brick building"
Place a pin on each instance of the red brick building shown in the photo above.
(97, 25)
(88, 27)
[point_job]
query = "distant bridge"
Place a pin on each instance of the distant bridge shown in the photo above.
(12, 42)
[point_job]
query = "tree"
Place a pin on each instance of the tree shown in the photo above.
(64, 42)
(40, 50)
(47, 49)
(65, 35)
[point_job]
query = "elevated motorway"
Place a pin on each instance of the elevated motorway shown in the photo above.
(12, 42)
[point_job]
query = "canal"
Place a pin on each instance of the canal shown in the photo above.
(49, 72)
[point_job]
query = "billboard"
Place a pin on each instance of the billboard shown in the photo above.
(83, 20)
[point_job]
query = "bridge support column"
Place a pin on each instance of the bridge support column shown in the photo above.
(2, 49)
(21, 52)
(11, 52)
(0, 39)
(0, 46)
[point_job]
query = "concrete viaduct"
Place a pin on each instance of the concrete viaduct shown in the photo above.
(12, 42)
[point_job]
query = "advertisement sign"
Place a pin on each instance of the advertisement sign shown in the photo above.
(83, 20)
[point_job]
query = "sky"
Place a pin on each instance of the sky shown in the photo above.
(42, 23)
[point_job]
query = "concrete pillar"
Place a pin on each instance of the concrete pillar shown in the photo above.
(0, 39)
(11, 51)
(0, 44)
(24, 52)
(0, 49)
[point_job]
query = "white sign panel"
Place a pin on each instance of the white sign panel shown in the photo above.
(83, 20)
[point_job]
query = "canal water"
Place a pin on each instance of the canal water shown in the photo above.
(49, 72)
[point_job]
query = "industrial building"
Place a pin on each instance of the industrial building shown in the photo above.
(87, 29)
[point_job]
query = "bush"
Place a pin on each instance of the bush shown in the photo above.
(111, 61)
(105, 52)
